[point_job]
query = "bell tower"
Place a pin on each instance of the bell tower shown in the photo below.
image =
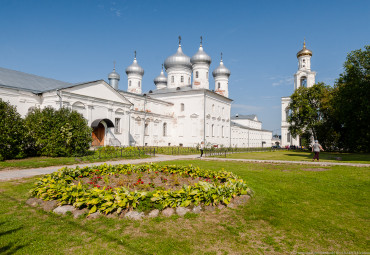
(304, 77)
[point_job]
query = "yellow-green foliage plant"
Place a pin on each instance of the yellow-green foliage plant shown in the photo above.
(65, 186)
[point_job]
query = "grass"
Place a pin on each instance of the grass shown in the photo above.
(36, 162)
(296, 208)
(304, 156)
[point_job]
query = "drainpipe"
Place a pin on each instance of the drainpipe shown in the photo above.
(204, 122)
(145, 95)
(60, 98)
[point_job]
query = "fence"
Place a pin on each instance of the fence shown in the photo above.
(109, 152)
(224, 151)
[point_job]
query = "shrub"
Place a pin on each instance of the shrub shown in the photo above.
(58, 132)
(12, 133)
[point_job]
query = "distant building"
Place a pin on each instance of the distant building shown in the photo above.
(181, 110)
(304, 77)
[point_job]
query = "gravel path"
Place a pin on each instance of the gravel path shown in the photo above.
(23, 173)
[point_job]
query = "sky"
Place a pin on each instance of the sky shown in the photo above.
(78, 41)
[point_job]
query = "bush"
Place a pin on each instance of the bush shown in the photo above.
(12, 132)
(58, 132)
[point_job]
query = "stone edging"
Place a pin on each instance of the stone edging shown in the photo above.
(52, 205)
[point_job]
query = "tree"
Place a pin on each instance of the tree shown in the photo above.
(351, 102)
(12, 132)
(309, 109)
(59, 132)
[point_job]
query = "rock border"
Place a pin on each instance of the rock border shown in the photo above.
(53, 206)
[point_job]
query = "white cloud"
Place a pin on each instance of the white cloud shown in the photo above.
(288, 80)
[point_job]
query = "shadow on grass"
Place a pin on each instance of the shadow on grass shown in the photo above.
(11, 248)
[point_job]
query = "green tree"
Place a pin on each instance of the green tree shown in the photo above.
(351, 102)
(308, 112)
(59, 132)
(12, 132)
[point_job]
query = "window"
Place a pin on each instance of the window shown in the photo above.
(207, 75)
(165, 129)
(172, 79)
(182, 78)
(146, 129)
(182, 107)
(139, 84)
(129, 83)
(117, 125)
(218, 85)
(304, 81)
(189, 80)
(223, 110)
(222, 131)
(288, 137)
(196, 74)
(213, 130)
(213, 108)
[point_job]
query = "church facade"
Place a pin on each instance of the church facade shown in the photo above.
(304, 77)
(182, 110)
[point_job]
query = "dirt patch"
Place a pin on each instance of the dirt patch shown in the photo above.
(315, 169)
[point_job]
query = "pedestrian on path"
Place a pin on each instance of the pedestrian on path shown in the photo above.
(316, 149)
(201, 149)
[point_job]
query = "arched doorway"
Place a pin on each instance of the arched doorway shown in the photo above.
(99, 131)
(98, 135)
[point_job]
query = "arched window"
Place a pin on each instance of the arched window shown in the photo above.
(182, 78)
(189, 80)
(222, 131)
(172, 79)
(165, 129)
(304, 81)
(207, 75)
(213, 108)
(139, 84)
(213, 130)
(218, 85)
(146, 129)
(196, 74)
(182, 107)
(129, 83)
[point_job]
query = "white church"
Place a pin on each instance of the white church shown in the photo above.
(181, 110)
(304, 77)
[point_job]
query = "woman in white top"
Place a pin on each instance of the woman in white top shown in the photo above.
(316, 149)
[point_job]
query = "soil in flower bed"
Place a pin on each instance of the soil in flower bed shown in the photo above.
(149, 181)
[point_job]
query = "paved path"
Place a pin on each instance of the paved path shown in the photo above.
(17, 174)
(22, 173)
(320, 163)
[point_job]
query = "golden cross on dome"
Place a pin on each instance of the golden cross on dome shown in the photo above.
(135, 53)
(201, 40)
(179, 39)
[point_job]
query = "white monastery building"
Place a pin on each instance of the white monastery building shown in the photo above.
(304, 77)
(181, 111)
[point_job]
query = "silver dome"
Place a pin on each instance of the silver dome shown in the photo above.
(201, 57)
(134, 68)
(221, 70)
(161, 79)
(114, 75)
(179, 59)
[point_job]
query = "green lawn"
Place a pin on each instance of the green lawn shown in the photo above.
(36, 162)
(304, 156)
(296, 208)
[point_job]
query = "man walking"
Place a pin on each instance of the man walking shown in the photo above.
(316, 149)
(201, 149)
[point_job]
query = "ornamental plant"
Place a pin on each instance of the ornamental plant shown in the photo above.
(67, 186)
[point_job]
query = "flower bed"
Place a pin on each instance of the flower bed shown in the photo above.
(114, 189)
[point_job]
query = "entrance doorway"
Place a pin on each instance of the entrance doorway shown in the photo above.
(98, 135)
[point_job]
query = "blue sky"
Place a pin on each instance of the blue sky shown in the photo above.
(77, 41)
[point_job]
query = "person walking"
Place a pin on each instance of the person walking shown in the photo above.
(316, 149)
(201, 149)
